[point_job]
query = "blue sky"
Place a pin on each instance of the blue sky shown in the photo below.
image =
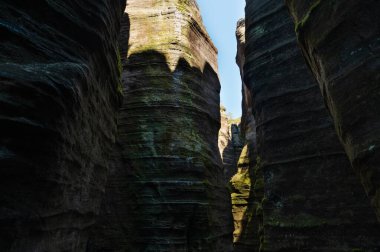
(220, 17)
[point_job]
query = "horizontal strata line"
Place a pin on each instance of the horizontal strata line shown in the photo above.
(173, 203)
(208, 184)
(321, 126)
(267, 14)
(274, 119)
(164, 157)
(348, 69)
(194, 109)
(275, 47)
(142, 104)
(170, 182)
(303, 158)
(155, 91)
(292, 92)
(300, 133)
(329, 208)
(142, 143)
(160, 242)
(28, 122)
(199, 159)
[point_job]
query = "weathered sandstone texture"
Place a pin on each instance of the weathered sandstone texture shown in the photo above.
(236, 162)
(242, 196)
(341, 43)
(247, 125)
(241, 185)
(59, 85)
(229, 144)
(168, 133)
(312, 199)
(113, 230)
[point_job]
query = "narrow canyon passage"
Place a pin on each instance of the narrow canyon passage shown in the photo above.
(114, 139)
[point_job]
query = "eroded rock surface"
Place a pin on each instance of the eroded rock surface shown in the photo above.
(242, 183)
(230, 145)
(247, 125)
(59, 83)
(312, 200)
(168, 133)
(341, 43)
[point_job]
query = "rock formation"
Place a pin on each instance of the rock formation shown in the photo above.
(78, 176)
(248, 125)
(113, 230)
(236, 164)
(312, 200)
(241, 185)
(242, 196)
(169, 172)
(224, 134)
(340, 41)
(59, 82)
(230, 145)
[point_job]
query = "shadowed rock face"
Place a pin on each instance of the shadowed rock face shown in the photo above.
(248, 125)
(169, 170)
(59, 93)
(312, 199)
(340, 41)
(113, 230)
(243, 200)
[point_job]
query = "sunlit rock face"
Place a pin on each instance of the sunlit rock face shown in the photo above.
(240, 190)
(59, 83)
(312, 199)
(242, 183)
(169, 169)
(340, 41)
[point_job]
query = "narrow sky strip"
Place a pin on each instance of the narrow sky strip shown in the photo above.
(220, 18)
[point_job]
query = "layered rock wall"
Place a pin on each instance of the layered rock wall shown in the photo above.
(242, 183)
(59, 85)
(341, 43)
(247, 125)
(113, 230)
(312, 200)
(169, 170)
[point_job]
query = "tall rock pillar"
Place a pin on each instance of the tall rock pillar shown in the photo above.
(341, 43)
(244, 202)
(59, 93)
(168, 131)
(312, 199)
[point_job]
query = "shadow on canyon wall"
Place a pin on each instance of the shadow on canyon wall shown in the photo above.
(166, 186)
(312, 198)
(59, 97)
(113, 230)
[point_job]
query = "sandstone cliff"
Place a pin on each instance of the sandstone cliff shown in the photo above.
(169, 171)
(340, 41)
(312, 200)
(248, 125)
(59, 83)
(242, 183)
(75, 175)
